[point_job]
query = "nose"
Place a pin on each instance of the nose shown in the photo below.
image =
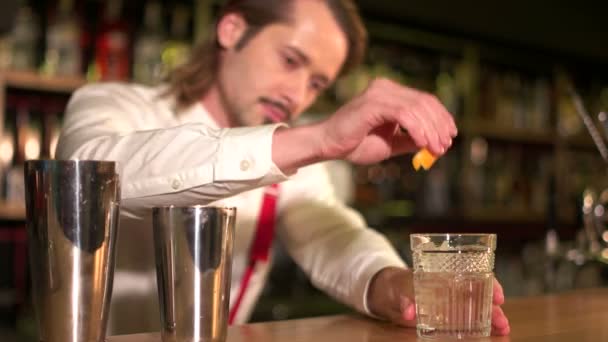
(295, 91)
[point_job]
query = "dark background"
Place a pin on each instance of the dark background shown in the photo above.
(570, 30)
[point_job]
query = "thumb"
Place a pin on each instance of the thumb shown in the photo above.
(408, 311)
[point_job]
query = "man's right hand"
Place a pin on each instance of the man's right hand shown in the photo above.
(385, 120)
(370, 128)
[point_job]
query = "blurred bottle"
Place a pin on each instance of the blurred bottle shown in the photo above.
(437, 189)
(7, 152)
(28, 131)
(147, 67)
(540, 180)
(24, 40)
(111, 61)
(63, 56)
(51, 125)
(352, 84)
(27, 138)
(552, 244)
(552, 259)
(541, 108)
(5, 51)
(447, 89)
(508, 109)
(508, 186)
(203, 20)
(488, 97)
(569, 123)
(475, 175)
(177, 48)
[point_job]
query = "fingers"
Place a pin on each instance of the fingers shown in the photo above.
(391, 294)
(500, 323)
(427, 121)
(408, 310)
(442, 121)
(402, 143)
(407, 313)
(432, 132)
(407, 317)
(498, 297)
(438, 113)
(416, 129)
(404, 315)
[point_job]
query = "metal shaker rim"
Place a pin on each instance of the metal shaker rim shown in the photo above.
(102, 166)
(171, 207)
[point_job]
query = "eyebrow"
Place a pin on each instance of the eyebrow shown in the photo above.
(306, 60)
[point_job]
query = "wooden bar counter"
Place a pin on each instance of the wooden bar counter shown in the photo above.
(575, 316)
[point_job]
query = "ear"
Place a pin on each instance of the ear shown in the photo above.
(230, 30)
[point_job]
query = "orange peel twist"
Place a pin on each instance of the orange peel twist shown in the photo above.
(424, 159)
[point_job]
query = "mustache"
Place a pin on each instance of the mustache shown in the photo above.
(279, 105)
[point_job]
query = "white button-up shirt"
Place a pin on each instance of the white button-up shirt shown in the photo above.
(165, 157)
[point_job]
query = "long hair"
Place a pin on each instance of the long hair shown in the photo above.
(190, 81)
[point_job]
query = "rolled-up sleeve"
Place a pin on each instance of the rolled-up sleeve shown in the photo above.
(190, 163)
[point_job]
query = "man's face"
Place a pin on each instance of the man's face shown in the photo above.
(280, 71)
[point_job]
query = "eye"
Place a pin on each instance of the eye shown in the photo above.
(290, 61)
(317, 86)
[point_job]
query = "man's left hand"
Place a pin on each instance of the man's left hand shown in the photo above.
(391, 296)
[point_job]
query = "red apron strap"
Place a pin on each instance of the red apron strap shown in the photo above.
(260, 248)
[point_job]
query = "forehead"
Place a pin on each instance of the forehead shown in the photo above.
(313, 30)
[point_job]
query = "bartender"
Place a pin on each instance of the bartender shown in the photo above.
(217, 133)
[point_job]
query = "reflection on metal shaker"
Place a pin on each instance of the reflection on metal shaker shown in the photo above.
(72, 211)
(193, 248)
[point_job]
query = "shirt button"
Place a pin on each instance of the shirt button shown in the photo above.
(245, 165)
(176, 184)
